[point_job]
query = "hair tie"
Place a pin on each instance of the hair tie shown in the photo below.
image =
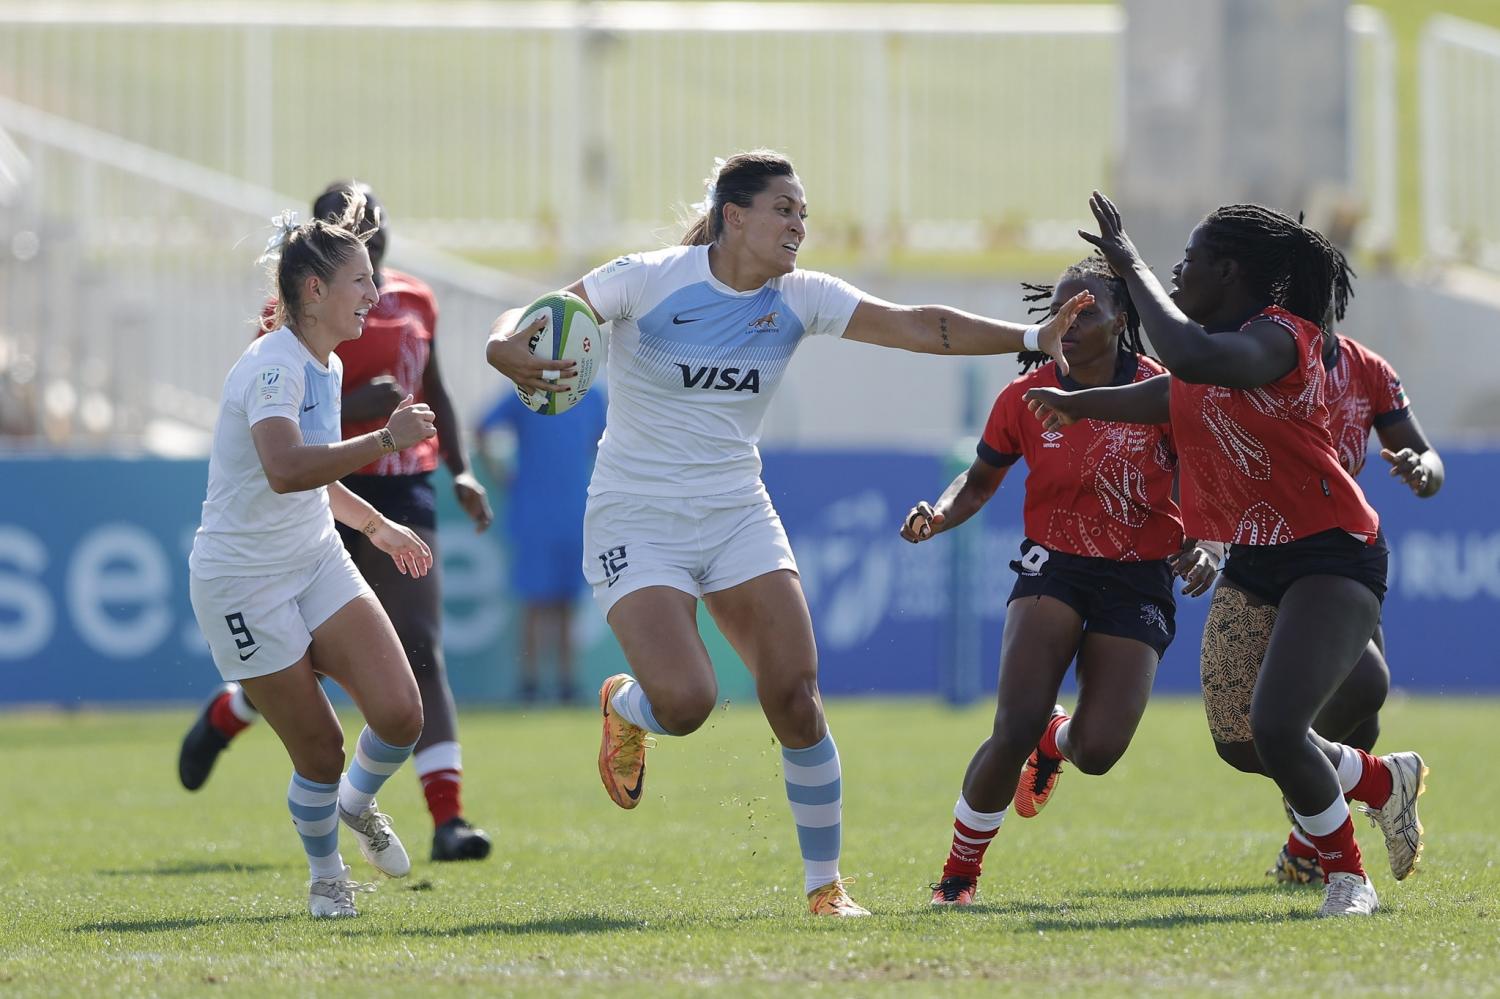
(285, 224)
(710, 190)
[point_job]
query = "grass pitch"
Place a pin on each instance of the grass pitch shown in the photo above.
(115, 881)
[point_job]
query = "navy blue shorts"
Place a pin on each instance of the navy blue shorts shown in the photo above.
(1124, 599)
(409, 500)
(1266, 571)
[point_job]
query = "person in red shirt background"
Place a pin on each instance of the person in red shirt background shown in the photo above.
(1364, 394)
(1094, 580)
(394, 358)
(1246, 401)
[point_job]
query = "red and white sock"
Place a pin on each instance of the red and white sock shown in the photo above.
(1363, 777)
(1054, 741)
(440, 768)
(1331, 832)
(231, 713)
(1298, 845)
(972, 832)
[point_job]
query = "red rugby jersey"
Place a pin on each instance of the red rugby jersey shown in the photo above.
(1363, 392)
(1258, 466)
(1098, 489)
(397, 341)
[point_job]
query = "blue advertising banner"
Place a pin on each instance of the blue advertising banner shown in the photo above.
(94, 607)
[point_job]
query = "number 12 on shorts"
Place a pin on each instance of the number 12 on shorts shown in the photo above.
(614, 563)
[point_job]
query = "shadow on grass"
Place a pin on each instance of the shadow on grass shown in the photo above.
(570, 926)
(924, 909)
(168, 925)
(188, 868)
(1170, 891)
(1168, 921)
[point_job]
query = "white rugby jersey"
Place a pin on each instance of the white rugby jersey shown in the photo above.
(248, 530)
(693, 365)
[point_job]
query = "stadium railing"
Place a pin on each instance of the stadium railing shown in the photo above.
(576, 127)
(1460, 93)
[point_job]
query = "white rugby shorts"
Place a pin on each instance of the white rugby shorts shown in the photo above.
(696, 544)
(258, 625)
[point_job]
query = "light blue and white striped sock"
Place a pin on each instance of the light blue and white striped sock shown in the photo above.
(314, 809)
(374, 761)
(814, 786)
(631, 704)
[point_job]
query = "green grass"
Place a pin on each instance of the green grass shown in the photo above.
(115, 881)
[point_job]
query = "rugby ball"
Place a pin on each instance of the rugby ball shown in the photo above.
(568, 334)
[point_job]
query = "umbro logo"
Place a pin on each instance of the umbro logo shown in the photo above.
(1052, 435)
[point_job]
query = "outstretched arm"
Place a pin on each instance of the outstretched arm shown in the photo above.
(1149, 401)
(968, 492)
(1255, 356)
(937, 329)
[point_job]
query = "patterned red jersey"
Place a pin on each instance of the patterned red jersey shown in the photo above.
(1098, 489)
(1258, 466)
(1363, 392)
(397, 341)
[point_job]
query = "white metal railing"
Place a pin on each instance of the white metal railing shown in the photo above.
(1372, 125)
(571, 128)
(1460, 141)
(127, 310)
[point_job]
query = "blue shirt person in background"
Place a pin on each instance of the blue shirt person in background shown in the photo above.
(548, 478)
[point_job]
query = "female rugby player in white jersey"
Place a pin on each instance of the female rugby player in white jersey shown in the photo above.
(272, 587)
(701, 335)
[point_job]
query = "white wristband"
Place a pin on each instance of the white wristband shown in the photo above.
(1032, 337)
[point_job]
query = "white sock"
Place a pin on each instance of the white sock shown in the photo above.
(1063, 749)
(438, 756)
(1327, 821)
(240, 706)
(630, 703)
(1349, 767)
(977, 821)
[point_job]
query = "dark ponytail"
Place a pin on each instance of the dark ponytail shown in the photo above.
(739, 179)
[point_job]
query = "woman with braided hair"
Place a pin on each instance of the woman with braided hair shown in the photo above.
(1094, 580)
(1240, 335)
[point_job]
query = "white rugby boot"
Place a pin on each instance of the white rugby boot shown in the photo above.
(1348, 894)
(378, 842)
(333, 898)
(1397, 818)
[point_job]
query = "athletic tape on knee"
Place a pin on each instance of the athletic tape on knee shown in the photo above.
(1234, 644)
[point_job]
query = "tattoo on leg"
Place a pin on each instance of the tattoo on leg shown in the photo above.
(943, 332)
